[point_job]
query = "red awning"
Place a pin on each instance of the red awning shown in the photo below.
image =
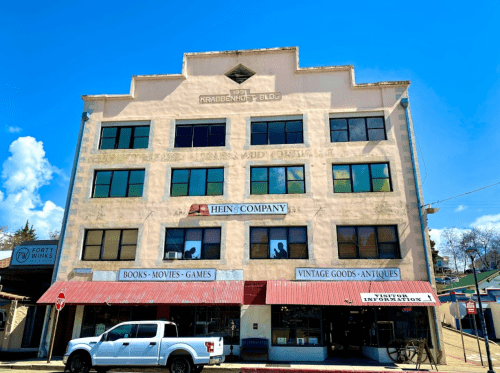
(134, 293)
(352, 293)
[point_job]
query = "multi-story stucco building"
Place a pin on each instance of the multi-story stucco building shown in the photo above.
(247, 191)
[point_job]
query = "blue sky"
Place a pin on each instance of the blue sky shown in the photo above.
(54, 52)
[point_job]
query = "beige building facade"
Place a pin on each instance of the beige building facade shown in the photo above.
(246, 169)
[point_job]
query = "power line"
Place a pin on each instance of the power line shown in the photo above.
(463, 194)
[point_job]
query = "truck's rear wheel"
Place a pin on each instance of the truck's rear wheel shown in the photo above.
(79, 362)
(180, 364)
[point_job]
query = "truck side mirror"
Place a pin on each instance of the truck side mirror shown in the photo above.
(104, 337)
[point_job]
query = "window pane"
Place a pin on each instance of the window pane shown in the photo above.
(367, 243)
(295, 173)
(278, 243)
(259, 138)
(298, 251)
(218, 140)
(258, 235)
(338, 124)
(180, 176)
(146, 330)
(140, 143)
(277, 133)
(212, 236)
(94, 237)
(128, 252)
(347, 251)
(296, 187)
(200, 136)
(141, 131)
(217, 130)
(124, 139)
(129, 236)
(387, 234)
(357, 130)
(259, 127)
(103, 177)
(294, 138)
(339, 136)
(108, 143)
(375, 122)
(259, 188)
(215, 175)
(101, 191)
(376, 135)
(119, 184)
(111, 242)
(361, 178)
(182, 142)
(297, 235)
(192, 245)
(214, 189)
(342, 186)
(346, 234)
(389, 251)
(124, 331)
(341, 172)
(109, 131)
(184, 131)
(135, 190)
(136, 177)
(197, 182)
(380, 170)
(259, 174)
(381, 185)
(175, 236)
(277, 180)
(258, 251)
(211, 251)
(295, 126)
(179, 190)
(92, 252)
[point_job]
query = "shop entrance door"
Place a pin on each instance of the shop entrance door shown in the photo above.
(343, 331)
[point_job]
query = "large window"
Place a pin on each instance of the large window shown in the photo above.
(193, 243)
(130, 137)
(277, 180)
(278, 243)
(296, 325)
(282, 132)
(110, 244)
(197, 182)
(357, 129)
(200, 135)
(118, 183)
(368, 242)
(356, 178)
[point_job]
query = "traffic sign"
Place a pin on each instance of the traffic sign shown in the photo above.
(60, 301)
(460, 313)
(471, 308)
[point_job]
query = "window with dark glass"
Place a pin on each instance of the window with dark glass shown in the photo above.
(193, 243)
(278, 243)
(110, 244)
(146, 330)
(118, 183)
(124, 137)
(357, 129)
(368, 242)
(277, 180)
(280, 132)
(296, 325)
(197, 182)
(122, 331)
(200, 135)
(356, 178)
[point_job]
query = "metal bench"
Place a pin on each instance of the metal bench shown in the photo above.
(251, 347)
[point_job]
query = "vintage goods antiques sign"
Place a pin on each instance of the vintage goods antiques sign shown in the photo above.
(239, 209)
(240, 95)
(397, 297)
(34, 255)
(347, 274)
(197, 274)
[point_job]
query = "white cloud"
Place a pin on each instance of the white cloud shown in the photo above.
(23, 174)
(487, 221)
(14, 129)
(460, 208)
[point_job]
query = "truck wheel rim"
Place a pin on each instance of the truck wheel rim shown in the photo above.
(179, 366)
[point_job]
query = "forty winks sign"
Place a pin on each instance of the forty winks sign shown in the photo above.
(239, 209)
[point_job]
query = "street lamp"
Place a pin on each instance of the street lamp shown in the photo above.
(471, 252)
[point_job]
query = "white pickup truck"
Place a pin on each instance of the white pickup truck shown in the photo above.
(144, 344)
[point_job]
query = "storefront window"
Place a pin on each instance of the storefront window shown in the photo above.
(296, 326)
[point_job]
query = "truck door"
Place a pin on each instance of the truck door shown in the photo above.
(144, 348)
(115, 349)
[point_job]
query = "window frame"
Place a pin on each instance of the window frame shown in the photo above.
(129, 170)
(209, 125)
(268, 243)
(103, 240)
(347, 130)
(378, 243)
(268, 179)
(117, 137)
(202, 250)
(267, 122)
(189, 181)
(351, 177)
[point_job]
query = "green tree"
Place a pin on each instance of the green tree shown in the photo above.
(10, 240)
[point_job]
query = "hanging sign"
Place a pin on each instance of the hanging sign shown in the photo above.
(471, 308)
(397, 297)
(239, 209)
(33, 255)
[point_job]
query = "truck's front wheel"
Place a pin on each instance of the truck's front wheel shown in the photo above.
(79, 362)
(180, 364)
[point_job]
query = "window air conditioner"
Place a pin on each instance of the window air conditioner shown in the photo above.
(173, 255)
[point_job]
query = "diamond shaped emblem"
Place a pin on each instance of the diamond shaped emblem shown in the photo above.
(240, 74)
